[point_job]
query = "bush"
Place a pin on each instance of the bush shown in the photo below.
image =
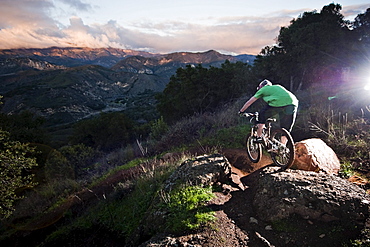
(80, 157)
(158, 128)
(16, 163)
(57, 167)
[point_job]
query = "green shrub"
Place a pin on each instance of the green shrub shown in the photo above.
(16, 163)
(346, 170)
(186, 207)
(158, 128)
(80, 156)
(57, 167)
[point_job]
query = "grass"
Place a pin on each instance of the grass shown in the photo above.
(233, 137)
(128, 165)
(122, 211)
(346, 169)
(186, 208)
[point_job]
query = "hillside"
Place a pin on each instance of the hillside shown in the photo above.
(65, 85)
(74, 56)
(237, 220)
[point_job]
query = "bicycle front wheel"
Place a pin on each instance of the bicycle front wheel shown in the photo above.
(282, 152)
(254, 149)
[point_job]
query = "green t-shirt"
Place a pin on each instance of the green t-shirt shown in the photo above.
(276, 96)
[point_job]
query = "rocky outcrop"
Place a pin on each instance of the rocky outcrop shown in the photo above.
(312, 195)
(203, 170)
(280, 194)
(274, 195)
(315, 155)
(10, 66)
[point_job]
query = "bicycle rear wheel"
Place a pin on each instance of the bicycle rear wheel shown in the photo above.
(282, 152)
(254, 149)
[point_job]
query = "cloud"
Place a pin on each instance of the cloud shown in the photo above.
(24, 13)
(237, 36)
(27, 24)
(234, 35)
(352, 11)
(77, 4)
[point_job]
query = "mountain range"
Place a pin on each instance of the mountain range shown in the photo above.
(65, 85)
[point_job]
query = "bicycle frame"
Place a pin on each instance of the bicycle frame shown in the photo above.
(266, 132)
(277, 142)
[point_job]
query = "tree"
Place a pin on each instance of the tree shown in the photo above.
(25, 127)
(106, 132)
(310, 50)
(15, 171)
(361, 28)
(195, 89)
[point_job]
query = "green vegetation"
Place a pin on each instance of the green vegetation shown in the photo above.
(186, 207)
(123, 210)
(24, 127)
(198, 89)
(107, 132)
(15, 166)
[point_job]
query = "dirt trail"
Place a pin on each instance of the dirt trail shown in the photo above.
(241, 164)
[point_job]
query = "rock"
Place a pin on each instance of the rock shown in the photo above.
(203, 170)
(312, 195)
(315, 155)
(253, 220)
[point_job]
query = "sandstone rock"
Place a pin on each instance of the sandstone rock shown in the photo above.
(312, 195)
(315, 155)
(203, 170)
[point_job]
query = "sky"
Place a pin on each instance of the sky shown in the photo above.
(162, 26)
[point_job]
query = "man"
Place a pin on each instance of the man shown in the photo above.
(279, 101)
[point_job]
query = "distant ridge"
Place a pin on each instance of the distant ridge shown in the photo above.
(65, 85)
(75, 56)
(107, 57)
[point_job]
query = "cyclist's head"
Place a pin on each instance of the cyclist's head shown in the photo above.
(264, 83)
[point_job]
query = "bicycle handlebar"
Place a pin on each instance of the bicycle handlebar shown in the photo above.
(255, 115)
(249, 114)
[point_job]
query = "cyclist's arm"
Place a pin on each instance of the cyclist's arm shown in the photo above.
(248, 103)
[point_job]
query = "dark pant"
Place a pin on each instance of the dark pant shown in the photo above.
(287, 115)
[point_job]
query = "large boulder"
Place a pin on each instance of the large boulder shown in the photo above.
(312, 195)
(203, 170)
(315, 155)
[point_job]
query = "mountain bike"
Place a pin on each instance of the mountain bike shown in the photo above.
(277, 142)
